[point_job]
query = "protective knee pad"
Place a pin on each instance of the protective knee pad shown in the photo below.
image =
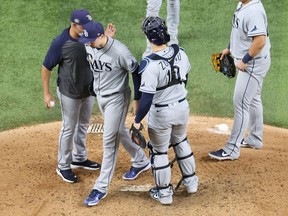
(185, 158)
(160, 168)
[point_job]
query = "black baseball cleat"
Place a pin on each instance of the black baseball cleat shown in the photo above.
(67, 175)
(134, 172)
(220, 155)
(87, 164)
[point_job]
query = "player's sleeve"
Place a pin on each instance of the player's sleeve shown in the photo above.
(136, 82)
(256, 25)
(144, 106)
(149, 76)
(127, 60)
(53, 56)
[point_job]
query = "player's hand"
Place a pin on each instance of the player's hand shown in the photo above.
(137, 125)
(47, 99)
(110, 30)
(225, 52)
(241, 66)
(135, 106)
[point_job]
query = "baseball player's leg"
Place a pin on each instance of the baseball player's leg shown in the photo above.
(138, 156)
(79, 150)
(70, 115)
(246, 88)
(255, 137)
(173, 19)
(112, 108)
(158, 148)
(153, 8)
(182, 149)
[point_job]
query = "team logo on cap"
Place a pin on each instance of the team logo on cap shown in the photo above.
(89, 17)
(76, 21)
(85, 33)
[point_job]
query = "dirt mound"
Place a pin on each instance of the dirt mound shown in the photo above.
(255, 184)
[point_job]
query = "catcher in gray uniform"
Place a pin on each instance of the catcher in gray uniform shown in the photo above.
(250, 46)
(110, 62)
(164, 75)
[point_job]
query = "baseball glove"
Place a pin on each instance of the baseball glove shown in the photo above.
(225, 65)
(137, 136)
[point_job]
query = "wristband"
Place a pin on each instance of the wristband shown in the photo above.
(246, 58)
(228, 46)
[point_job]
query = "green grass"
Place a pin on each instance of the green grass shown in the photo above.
(28, 27)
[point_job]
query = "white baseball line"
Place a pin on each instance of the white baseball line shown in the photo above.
(137, 188)
(141, 188)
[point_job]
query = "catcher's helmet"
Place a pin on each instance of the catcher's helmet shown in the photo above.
(156, 30)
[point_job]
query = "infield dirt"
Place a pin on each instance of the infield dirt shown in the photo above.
(255, 184)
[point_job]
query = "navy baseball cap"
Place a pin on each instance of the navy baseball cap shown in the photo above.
(80, 17)
(92, 30)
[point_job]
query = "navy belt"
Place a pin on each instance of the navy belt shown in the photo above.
(165, 105)
(108, 95)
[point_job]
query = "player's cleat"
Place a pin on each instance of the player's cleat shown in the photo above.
(192, 189)
(157, 195)
(67, 175)
(244, 144)
(89, 165)
(220, 155)
(147, 52)
(135, 171)
(94, 198)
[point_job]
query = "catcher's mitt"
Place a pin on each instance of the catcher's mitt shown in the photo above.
(225, 65)
(137, 136)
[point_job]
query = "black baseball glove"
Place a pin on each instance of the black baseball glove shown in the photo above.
(137, 136)
(225, 65)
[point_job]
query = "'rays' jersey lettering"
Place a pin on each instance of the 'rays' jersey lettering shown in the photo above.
(160, 79)
(244, 27)
(110, 66)
(99, 66)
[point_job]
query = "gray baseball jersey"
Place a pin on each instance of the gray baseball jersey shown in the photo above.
(249, 20)
(159, 73)
(111, 66)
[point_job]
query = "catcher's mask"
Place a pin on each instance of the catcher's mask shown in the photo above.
(156, 30)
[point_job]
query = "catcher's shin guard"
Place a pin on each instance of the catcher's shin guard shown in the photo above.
(160, 168)
(186, 161)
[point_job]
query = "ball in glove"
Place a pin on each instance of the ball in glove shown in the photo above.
(137, 137)
(225, 65)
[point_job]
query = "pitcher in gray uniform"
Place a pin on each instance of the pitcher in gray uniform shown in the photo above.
(111, 61)
(250, 46)
(164, 75)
